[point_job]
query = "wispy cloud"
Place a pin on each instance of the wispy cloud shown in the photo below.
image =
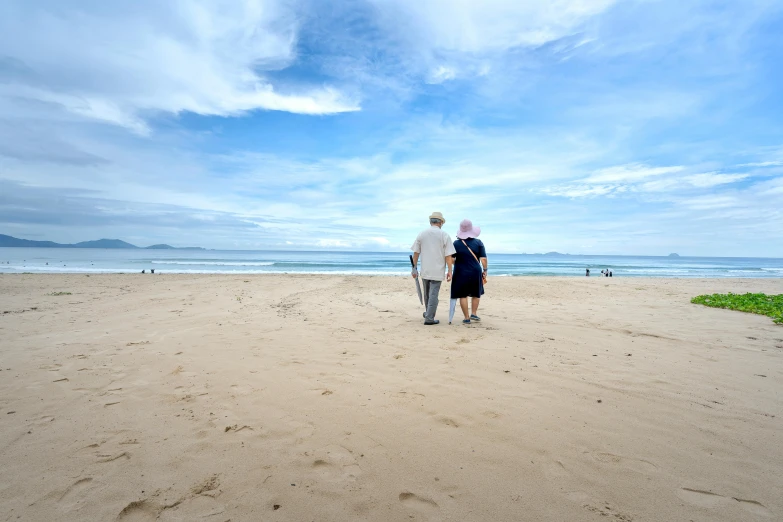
(629, 173)
(638, 178)
(763, 164)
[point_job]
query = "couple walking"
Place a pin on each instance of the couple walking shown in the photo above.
(465, 259)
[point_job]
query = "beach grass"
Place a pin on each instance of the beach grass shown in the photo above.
(769, 305)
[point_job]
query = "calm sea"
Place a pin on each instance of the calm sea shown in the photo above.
(67, 260)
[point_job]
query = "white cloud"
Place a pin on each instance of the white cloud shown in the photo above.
(470, 35)
(629, 173)
(635, 178)
(712, 179)
(442, 74)
(764, 164)
(120, 62)
(468, 26)
(578, 191)
(710, 202)
(333, 243)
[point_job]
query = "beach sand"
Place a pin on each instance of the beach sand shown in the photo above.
(215, 398)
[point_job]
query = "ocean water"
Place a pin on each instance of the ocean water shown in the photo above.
(75, 260)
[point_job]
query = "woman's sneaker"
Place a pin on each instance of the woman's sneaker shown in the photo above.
(475, 318)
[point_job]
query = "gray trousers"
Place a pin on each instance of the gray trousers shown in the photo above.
(431, 291)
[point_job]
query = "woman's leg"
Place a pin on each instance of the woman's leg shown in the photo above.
(474, 303)
(463, 303)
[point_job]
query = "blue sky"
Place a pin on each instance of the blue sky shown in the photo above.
(582, 126)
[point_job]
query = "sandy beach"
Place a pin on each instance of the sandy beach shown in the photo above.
(245, 398)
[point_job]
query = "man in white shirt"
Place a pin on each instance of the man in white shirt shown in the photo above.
(435, 248)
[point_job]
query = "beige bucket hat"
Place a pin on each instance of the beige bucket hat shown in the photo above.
(438, 215)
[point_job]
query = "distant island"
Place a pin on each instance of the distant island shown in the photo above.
(9, 241)
(674, 255)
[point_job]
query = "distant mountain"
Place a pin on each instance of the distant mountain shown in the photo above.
(164, 246)
(102, 243)
(674, 255)
(9, 241)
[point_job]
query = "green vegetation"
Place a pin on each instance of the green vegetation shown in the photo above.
(770, 305)
(60, 293)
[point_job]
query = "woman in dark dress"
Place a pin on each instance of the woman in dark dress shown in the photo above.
(470, 269)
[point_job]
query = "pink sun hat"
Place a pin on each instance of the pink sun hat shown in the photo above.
(466, 230)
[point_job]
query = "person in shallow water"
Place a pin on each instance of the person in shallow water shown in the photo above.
(470, 270)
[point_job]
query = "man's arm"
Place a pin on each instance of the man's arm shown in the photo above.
(416, 247)
(448, 247)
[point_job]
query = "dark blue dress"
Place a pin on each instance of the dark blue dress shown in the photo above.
(466, 281)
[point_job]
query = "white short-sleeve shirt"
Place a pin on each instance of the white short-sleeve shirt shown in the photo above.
(433, 245)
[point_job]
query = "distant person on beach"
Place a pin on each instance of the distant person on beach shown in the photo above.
(587, 272)
(610, 273)
(470, 270)
(434, 247)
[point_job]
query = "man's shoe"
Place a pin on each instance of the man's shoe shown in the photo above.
(428, 323)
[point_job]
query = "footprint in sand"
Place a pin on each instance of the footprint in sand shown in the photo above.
(448, 421)
(139, 511)
(72, 493)
(608, 511)
(633, 464)
(111, 458)
(42, 421)
(336, 464)
(708, 499)
(417, 503)
(207, 486)
(556, 469)
(197, 504)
